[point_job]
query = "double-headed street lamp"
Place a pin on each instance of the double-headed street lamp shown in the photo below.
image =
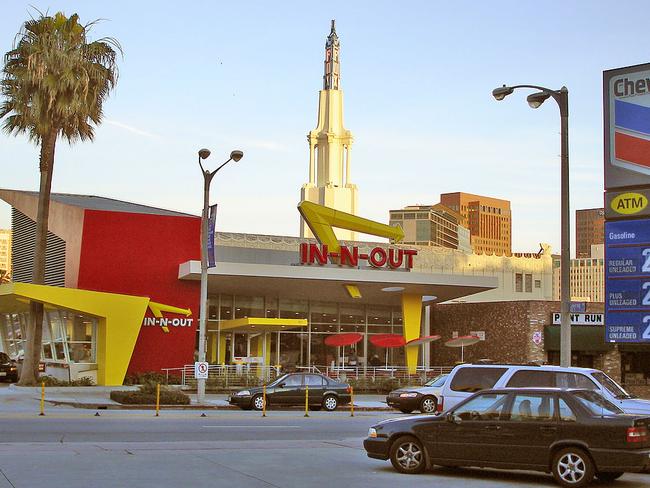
(535, 100)
(207, 179)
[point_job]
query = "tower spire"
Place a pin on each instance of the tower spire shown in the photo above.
(332, 76)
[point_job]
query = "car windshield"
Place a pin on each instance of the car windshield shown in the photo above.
(614, 388)
(596, 404)
(437, 382)
(278, 380)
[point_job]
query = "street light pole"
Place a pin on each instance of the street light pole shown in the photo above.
(207, 179)
(535, 100)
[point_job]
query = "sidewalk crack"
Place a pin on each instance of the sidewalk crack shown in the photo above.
(8, 480)
(212, 461)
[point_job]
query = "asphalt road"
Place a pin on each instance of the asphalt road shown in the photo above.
(74, 449)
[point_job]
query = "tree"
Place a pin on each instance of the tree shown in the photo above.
(54, 83)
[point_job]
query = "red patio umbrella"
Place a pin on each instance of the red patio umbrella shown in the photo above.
(461, 342)
(388, 341)
(343, 340)
(422, 340)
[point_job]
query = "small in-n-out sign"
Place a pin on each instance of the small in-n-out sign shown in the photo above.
(582, 318)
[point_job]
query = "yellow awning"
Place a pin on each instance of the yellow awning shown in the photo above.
(259, 324)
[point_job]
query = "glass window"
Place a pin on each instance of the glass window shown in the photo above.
(324, 313)
(488, 406)
(271, 307)
(519, 285)
(225, 307)
(476, 379)
(249, 307)
(596, 404)
(313, 380)
(293, 309)
(531, 407)
(522, 379)
(437, 382)
(213, 308)
(611, 385)
(293, 380)
(528, 283)
(574, 380)
(566, 414)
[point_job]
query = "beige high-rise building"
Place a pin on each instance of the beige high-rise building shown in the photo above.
(489, 220)
(590, 230)
(330, 147)
(5, 253)
(587, 276)
(432, 225)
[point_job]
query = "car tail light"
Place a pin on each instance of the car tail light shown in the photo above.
(349, 389)
(637, 434)
(441, 403)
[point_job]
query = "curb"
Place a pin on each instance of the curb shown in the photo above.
(110, 406)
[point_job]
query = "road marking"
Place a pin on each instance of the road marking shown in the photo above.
(251, 426)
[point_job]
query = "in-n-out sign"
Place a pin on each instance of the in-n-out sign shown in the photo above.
(378, 257)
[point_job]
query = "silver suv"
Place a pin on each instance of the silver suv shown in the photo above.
(466, 379)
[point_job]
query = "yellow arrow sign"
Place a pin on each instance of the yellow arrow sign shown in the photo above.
(158, 308)
(321, 221)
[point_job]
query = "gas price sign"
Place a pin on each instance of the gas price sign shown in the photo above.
(627, 281)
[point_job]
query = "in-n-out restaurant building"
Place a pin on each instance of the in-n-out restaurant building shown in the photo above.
(123, 281)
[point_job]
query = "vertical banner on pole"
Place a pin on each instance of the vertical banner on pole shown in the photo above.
(212, 221)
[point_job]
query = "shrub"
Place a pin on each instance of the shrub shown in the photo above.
(145, 397)
(52, 381)
(146, 377)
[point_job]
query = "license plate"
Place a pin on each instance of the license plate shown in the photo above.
(3, 373)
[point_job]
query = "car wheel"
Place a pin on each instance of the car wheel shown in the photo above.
(428, 405)
(608, 477)
(572, 467)
(405, 410)
(407, 455)
(257, 402)
(330, 402)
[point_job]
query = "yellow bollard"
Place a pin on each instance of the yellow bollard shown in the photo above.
(351, 402)
(157, 399)
(42, 399)
(306, 401)
(264, 400)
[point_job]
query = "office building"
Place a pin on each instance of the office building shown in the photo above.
(489, 220)
(590, 230)
(432, 225)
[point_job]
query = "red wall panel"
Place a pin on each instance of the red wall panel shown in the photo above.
(139, 254)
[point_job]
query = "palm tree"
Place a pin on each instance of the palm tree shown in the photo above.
(54, 83)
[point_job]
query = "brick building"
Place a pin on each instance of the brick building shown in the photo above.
(489, 220)
(590, 230)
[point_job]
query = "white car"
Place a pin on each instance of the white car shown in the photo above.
(466, 379)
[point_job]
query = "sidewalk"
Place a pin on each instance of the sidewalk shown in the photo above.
(15, 399)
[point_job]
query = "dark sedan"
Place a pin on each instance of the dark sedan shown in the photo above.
(574, 434)
(291, 389)
(8, 368)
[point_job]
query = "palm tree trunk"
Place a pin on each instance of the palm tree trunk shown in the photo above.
(34, 337)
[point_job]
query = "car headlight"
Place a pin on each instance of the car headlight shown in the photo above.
(408, 395)
(243, 393)
(372, 433)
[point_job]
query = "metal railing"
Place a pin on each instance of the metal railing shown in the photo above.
(242, 375)
(223, 376)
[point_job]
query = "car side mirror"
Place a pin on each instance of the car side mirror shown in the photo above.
(281, 385)
(453, 418)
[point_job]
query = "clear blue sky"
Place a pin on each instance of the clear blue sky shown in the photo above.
(417, 78)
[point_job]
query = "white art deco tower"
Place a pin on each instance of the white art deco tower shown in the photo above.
(330, 147)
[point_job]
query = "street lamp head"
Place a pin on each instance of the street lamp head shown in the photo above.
(204, 153)
(535, 100)
(236, 155)
(502, 92)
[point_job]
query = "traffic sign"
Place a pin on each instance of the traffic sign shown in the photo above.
(201, 370)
